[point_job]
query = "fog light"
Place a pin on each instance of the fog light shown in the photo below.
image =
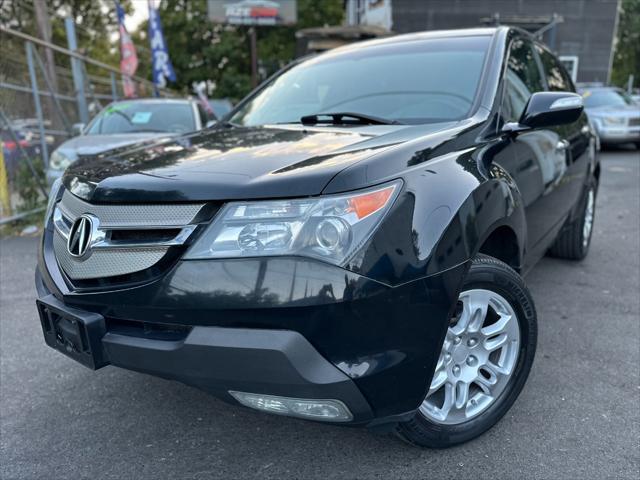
(324, 410)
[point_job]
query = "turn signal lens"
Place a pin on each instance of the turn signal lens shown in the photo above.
(365, 205)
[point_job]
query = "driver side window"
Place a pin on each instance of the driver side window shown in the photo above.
(522, 79)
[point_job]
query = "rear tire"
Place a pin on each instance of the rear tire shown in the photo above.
(479, 409)
(575, 238)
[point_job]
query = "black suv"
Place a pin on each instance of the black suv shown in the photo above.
(346, 246)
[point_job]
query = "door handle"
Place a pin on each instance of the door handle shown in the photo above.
(562, 151)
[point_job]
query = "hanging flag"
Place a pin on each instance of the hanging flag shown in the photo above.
(200, 89)
(128, 56)
(162, 68)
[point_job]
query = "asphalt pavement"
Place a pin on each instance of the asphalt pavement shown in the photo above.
(578, 416)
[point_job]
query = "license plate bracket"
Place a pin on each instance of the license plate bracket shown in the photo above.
(76, 333)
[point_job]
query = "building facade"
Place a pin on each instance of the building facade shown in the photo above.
(581, 32)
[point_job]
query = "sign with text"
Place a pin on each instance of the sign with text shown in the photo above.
(253, 12)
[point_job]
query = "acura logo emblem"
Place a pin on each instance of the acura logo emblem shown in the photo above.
(80, 236)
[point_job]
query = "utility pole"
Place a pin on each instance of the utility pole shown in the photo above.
(44, 28)
(254, 56)
(77, 71)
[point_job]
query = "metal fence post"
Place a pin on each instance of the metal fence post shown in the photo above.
(114, 87)
(54, 95)
(5, 193)
(36, 101)
(76, 69)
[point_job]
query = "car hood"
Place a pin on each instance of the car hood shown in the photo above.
(85, 145)
(233, 163)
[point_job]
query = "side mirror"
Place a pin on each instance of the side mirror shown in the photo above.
(548, 109)
(77, 129)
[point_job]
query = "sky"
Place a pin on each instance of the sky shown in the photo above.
(140, 14)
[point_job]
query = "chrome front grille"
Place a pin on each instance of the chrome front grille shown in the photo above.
(123, 239)
(130, 215)
(105, 263)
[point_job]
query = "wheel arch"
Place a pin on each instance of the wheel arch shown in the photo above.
(501, 242)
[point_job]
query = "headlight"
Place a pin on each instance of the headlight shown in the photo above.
(618, 121)
(59, 161)
(330, 228)
(53, 198)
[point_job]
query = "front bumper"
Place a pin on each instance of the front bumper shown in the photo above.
(621, 134)
(215, 359)
(277, 326)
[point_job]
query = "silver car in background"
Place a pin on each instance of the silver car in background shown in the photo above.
(129, 122)
(615, 116)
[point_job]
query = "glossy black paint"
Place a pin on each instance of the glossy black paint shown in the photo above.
(376, 334)
(232, 163)
(542, 111)
(468, 186)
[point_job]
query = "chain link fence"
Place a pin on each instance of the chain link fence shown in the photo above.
(45, 90)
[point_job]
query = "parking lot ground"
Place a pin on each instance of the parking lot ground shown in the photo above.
(578, 416)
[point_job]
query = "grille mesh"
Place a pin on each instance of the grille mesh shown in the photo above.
(105, 263)
(130, 215)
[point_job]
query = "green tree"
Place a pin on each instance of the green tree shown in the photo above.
(204, 51)
(95, 20)
(626, 60)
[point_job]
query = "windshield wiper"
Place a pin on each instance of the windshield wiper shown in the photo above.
(338, 118)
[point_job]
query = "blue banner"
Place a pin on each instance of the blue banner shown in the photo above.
(162, 67)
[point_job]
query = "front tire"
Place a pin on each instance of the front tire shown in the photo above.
(485, 359)
(575, 238)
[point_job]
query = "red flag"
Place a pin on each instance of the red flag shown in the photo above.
(128, 56)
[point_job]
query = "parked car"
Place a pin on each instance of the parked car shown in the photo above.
(127, 122)
(615, 116)
(348, 245)
(12, 151)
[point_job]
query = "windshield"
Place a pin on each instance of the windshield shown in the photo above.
(132, 117)
(420, 81)
(606, 98)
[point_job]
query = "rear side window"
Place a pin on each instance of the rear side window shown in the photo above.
(522, 79)
(557, 77)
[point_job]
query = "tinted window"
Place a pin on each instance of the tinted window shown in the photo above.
(606, 98)
(522, 79)
(412, 82)
(131, 117)
(557, 77)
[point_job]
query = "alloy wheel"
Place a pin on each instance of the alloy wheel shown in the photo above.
(478, 356)
(588, 218)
